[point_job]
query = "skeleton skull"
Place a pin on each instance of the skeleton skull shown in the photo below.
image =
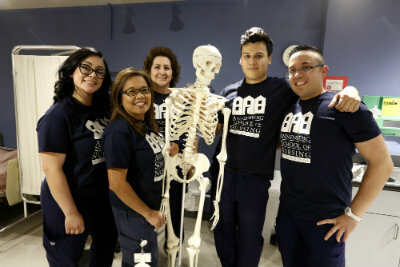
(207, 62)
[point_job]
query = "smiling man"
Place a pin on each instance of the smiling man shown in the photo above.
(318, 144)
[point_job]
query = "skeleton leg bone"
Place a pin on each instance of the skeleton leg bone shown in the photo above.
(172, 240)
(170, 172)
(201, 164)
(195, 240)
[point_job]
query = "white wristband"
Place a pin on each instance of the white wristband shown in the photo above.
(348, 212)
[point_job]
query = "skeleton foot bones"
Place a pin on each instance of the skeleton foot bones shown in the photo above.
(193, 111)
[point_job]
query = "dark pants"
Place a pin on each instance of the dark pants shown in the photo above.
(238, 235)
(175, 201)
(301, 242)
(132, 229)
(64, 250)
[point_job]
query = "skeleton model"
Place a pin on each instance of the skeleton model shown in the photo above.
(194, 111)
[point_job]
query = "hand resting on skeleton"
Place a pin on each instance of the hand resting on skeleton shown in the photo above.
(173, 149)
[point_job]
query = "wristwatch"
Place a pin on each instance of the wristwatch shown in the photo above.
(348, 212)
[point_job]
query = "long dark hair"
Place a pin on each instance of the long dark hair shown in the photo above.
(118, 111)
(65, 84)
(161, 51)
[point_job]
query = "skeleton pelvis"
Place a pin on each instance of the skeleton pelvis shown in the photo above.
(200, 163)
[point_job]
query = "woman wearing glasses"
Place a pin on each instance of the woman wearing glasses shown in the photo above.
(135, 165)
(74, 194)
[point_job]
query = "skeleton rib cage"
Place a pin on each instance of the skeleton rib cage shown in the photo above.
(205, 112)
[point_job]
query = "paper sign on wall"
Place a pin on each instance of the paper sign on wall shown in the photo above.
(335, 83)
(391, 106)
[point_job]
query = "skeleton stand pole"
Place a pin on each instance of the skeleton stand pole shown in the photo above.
(172, 240)
(182, 216)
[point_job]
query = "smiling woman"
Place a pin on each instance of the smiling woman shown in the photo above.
(74, 194)
(136, 102)
(135, 164)
(162, 66)
(88, 78)
(124, 102)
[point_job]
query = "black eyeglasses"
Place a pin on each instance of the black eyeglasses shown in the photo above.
(135, 92)
(87, 70)
(304, 69)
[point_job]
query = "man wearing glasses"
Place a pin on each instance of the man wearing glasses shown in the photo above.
(258, 105)
(318, 144)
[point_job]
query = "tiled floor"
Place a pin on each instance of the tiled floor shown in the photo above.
(21, 245)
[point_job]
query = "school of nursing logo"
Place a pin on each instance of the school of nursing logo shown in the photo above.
(295, 137)
(97, 127)
(247, 116)
(157, 143)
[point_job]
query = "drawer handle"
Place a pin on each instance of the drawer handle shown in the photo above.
(396, 234)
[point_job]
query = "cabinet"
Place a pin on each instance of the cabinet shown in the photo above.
(376, 241)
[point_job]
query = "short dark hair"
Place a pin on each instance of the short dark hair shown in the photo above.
(160, 51)
(118, 111)
(307, 47)
(64, 86)
(254, 35)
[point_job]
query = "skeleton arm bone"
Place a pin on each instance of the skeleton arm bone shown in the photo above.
(222, 157)
(168, 103)
(167, 158)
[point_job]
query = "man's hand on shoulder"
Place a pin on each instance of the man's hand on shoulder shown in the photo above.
(347, 100)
